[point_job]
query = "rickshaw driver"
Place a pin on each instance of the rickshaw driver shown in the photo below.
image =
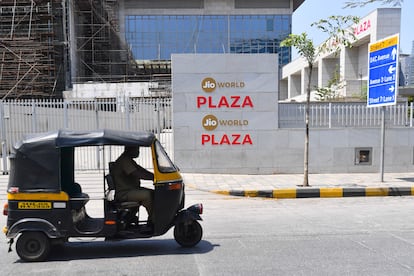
(127, 176)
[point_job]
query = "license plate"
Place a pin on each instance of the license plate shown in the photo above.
(34, 205)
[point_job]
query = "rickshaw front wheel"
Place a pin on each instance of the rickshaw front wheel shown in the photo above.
(188, 234)
(33, 246)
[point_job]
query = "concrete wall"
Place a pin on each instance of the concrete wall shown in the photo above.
(180, 7)
(333, 150)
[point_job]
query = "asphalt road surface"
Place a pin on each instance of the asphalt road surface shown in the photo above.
(253, 236)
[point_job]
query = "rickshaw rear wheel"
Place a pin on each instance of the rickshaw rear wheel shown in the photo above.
(33, 246)
(188, 234)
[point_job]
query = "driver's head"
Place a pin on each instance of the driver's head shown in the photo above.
(132, 151)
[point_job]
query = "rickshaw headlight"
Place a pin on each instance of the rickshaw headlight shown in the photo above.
(175, 186)
(6, 209)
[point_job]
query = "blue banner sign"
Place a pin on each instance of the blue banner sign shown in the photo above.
(383, 72)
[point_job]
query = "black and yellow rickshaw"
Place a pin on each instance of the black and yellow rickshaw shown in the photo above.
(45, 206)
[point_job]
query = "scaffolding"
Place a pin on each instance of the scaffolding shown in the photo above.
(30, 52)
(103, 56)
(38, 37)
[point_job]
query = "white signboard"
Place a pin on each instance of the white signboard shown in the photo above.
(224, 104)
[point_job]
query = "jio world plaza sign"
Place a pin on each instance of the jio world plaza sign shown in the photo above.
(224, 112)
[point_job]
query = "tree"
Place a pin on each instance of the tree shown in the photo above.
(361, 3)
(338, 36)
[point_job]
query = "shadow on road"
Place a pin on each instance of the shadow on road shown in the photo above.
(125, 248)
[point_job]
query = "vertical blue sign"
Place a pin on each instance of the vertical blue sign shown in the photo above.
(383, 72)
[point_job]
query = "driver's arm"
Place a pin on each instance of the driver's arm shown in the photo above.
(142, 173)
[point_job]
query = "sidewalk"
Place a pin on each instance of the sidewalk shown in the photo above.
(278, 185)
(288, 185)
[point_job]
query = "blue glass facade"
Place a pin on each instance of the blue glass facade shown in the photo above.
(156, 37)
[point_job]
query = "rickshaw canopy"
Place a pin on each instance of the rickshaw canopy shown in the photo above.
(44, 162)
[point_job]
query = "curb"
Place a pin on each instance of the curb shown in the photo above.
(284, 193)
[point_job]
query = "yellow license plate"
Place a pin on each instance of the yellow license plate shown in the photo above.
(34, 205)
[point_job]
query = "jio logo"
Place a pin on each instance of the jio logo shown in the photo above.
(210, 122)
(208, 85)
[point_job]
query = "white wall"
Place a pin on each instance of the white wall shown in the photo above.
(333, 150)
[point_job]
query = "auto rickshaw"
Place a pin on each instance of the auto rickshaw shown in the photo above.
(46, 207)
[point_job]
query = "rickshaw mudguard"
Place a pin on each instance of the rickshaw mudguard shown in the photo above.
(33, 225)
(186, 215)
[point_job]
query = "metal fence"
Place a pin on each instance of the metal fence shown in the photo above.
(20, 117)
(340, 115)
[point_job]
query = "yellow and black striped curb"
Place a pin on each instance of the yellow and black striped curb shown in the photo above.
(304, 192)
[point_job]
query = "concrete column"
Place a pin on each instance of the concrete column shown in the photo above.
(72, 43)
(349, 60)
(314, 80)
(389, 23)
(305, 79)
(294, 85)
(349, 70)
(121, 18)
(283, 89)
(321, 75)
(327, 68)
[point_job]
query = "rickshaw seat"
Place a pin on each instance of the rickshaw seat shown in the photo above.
(78, 201)
(119, 204)
(77, 198)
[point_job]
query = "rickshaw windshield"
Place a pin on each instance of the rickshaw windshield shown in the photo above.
(165, 165)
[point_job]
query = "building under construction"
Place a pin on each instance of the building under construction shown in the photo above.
(46, 46)
(31, 47)
(62, 48)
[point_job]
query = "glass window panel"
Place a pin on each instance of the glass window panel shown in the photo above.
(206, 34)
(269, 25)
